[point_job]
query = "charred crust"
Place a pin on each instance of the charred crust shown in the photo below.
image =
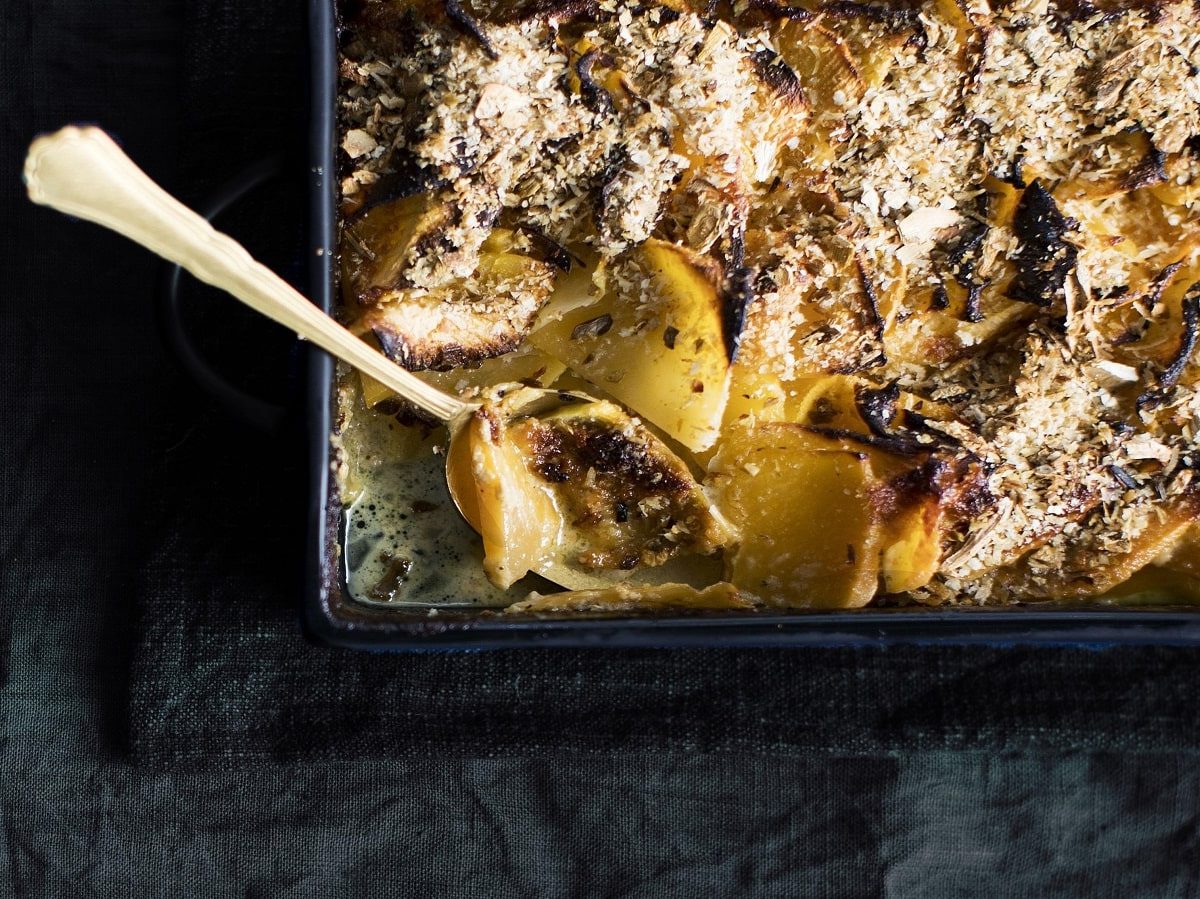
(918, 423)
(408, 179)
(735, 300)
(775, 10)
(878, 407)
(967, 495)
(558, 11)
(549, 250)
(897, 445)
(1122, 477)
(467, 24)
(562, 452)
(874, 319)
(595, 97)
(778, 76)
(439, 357)
(1153, 296)
(613, 167)
(546, 455)
(1044, 258)
(1149, 171)
(971, 309)
(849, 368)
(1187, 341)
(1012, 174)
(895, 18)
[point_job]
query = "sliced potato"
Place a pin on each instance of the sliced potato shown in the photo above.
(487, 314)
(912, 546)
(579, 487)
(827, 70)
(460, 322)
(377, 243)
(653, 339)
(525, 365)
(515, 512)
(629, 501)
(754, 394)
(627, 598)
(809, 536)
(1088, 573)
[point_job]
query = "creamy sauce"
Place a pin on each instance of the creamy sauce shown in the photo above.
(406, 543)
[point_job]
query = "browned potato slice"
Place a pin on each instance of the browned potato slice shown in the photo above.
(525, 365)
(653, 339)
(377, 244)
(1090, 574)
(626, 598)
(475, 318)
(827, 70)
(583, 485)
(629, 501)
(808, 534)
(461, 323)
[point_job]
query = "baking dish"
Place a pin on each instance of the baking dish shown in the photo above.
(332, 616)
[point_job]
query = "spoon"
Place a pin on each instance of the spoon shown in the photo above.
(82, 172)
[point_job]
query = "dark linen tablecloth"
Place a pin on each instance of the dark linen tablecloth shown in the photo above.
(165, 730)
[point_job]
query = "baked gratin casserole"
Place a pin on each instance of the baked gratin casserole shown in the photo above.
(914, 288)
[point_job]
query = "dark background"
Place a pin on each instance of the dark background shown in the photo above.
(164, 729)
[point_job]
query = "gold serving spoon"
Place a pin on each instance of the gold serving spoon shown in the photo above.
(512, 456)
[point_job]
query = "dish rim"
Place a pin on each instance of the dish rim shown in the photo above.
(332, 617)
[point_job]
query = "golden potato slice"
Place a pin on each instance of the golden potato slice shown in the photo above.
(1183, 555)
(630, 502)
(653, 339)
(912, 547)
(458, 323)
(514, 511)
(827, 70)
(754, 394)
(809, 536)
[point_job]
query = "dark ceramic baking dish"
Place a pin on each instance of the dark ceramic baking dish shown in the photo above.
(332, 616)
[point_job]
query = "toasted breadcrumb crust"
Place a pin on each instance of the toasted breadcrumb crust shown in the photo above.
(988, 205)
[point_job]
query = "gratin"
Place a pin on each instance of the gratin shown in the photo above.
(914, 287)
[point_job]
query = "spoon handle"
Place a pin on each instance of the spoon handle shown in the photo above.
(81, 172)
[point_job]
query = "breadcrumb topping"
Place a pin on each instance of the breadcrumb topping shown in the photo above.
(992, 206)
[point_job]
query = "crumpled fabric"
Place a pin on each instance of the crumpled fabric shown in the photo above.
(165, 730)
